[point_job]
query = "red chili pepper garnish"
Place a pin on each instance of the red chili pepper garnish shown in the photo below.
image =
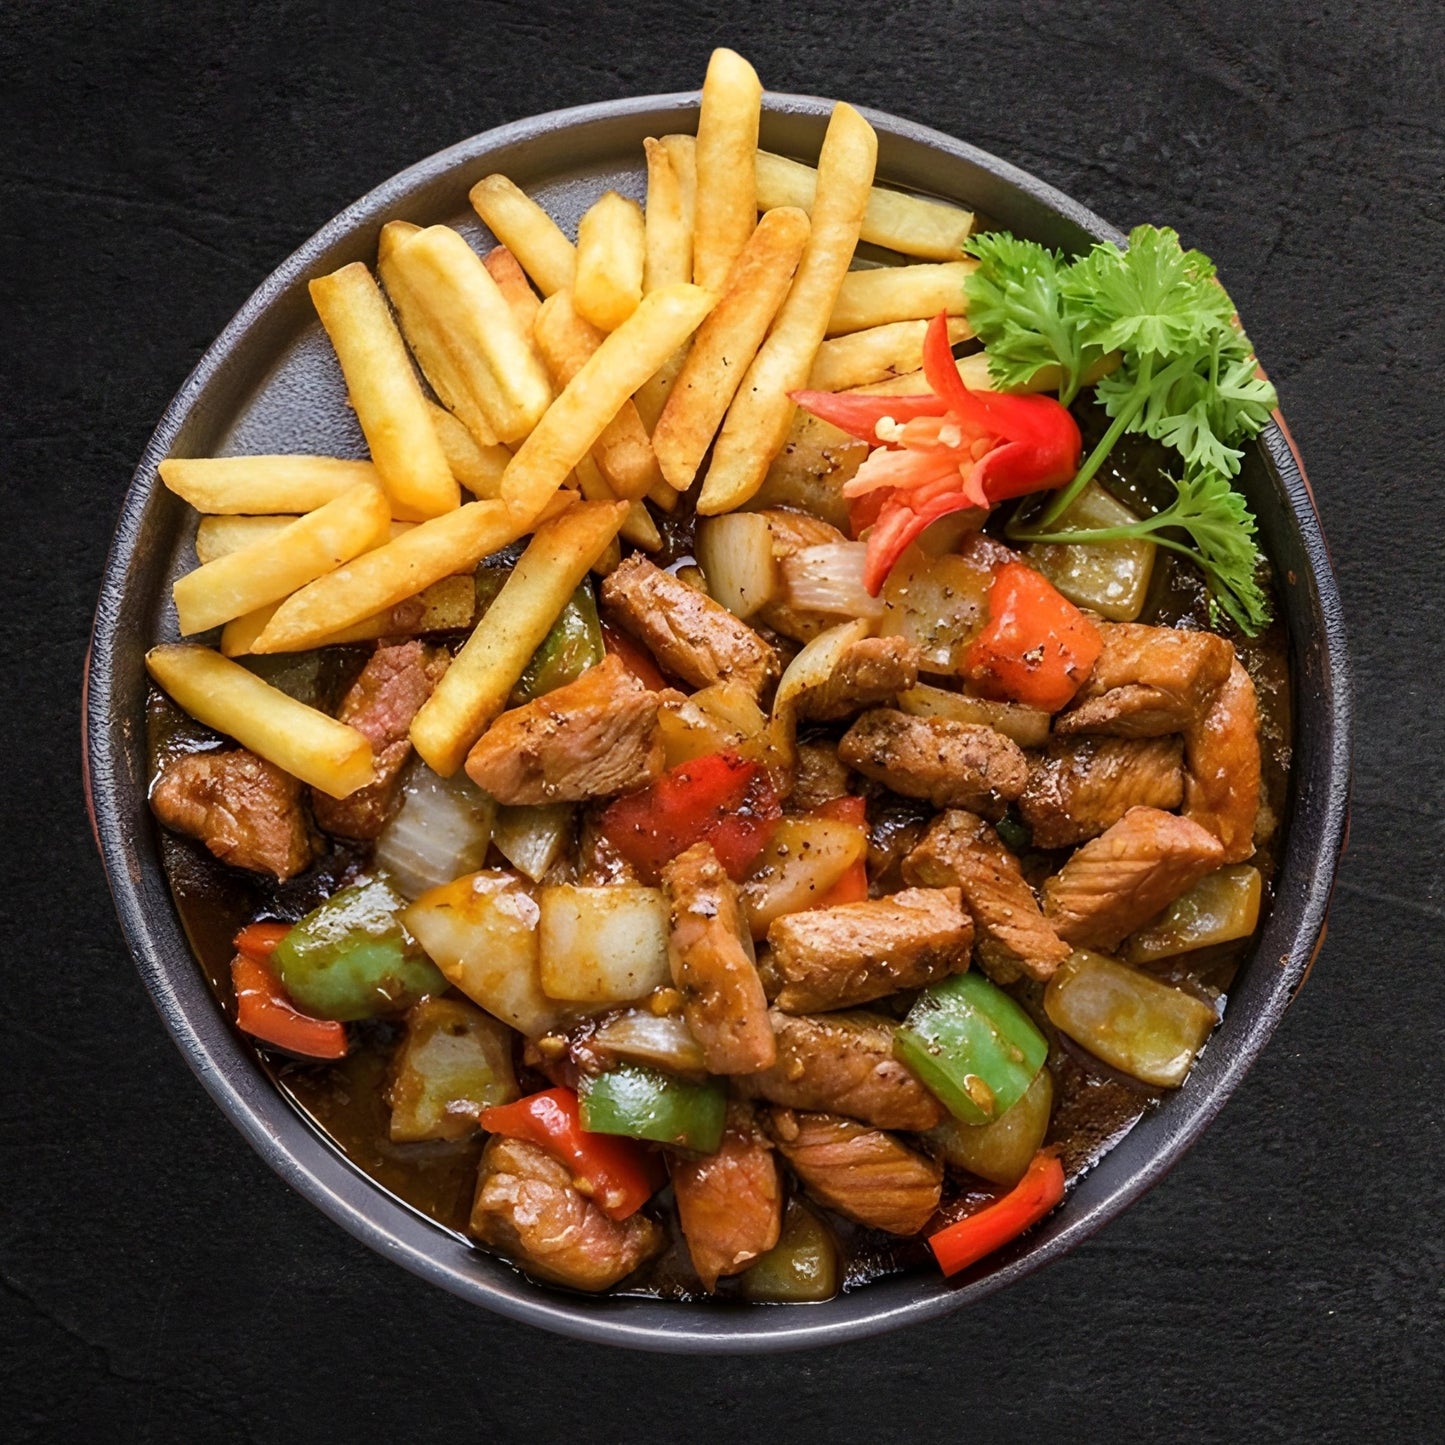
(954, 449)
(619, 1175)
(722, 798)
(1034, 1196)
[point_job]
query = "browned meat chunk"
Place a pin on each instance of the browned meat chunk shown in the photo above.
(818, 777)
(730, 1204)
(710, 951)
(872, 670)
(380, 705)
(1126, 876)
(949, 764)
(589, 739)
(1014, 938)
(689, 634)
(528, 1209)
(865, 1174)
(1221, 790)
(829, 958)
(843, 1063)
(1148, 681)
(1086, 784)
(245, 810)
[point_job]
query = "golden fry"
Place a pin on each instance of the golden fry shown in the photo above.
(727, 141)
(490, 350)
(251, 486)
(506, 271)
(757, 422)
(726, 344)
(385, 393)
(223, 695)
(595, 395)
(479, 469)
(527, 231)
(900, 293)
(611, 244)
(476, 686)
(864, 357)
(637, 526)
(220, 536)
(380, 579)
(668, 230)
(624, 450)
(916, 227)
(274, 567)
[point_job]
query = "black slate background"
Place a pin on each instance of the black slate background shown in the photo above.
(156, 161)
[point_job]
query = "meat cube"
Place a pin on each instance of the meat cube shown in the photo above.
(949, 764)
(1148, 681)
(818, 777)
(247, 811)
(829, 958)
(1014, 938)
(528, 1209)
(1086, 784)
(1128, 875)
(1221, 750)
(866, 1175)
(730, 1204)
(709, 948)
(691, 636)
(380, 705)
(842, 1063)
(588, 739)
(872, 670)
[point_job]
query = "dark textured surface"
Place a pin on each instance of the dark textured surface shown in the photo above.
(161, 1284)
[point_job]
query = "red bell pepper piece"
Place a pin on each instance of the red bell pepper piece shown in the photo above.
(722, 798)
(259, 940)
(1034, 1196)
(265, 1012)
(852, 887)
(617, 1174)
(634, 657)
(1037, 647)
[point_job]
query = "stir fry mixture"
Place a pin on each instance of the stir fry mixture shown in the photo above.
(755, 833)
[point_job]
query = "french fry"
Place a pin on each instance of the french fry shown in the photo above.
(426, 338)
(667, 229)
(651, 396)
(475, 687)
(573, 423)
(527, 231)
(385, 393)
(900, 293)
(929, 230)
(479, 469)
(611, 244)
(757, 422)
(863, 357)
(454, 542)
(682, 152)
(492, 354)
(624, 450)
(272, 568)
(223, 695)
(250, 486)
(516, 290)
(220, 536)
(727, 141)
(637, 526)
(726, 343)
(445, 606)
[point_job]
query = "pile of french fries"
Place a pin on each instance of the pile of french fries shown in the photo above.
(574, 390)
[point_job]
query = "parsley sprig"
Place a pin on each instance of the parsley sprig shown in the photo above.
(1185, 375)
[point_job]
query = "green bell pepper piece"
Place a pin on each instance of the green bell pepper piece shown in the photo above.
(352, 959)
(972, 1045)
(801, 1268)
(645, 1103)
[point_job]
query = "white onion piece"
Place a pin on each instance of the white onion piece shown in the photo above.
(644, 1038)
(829, 578)
(531, 839)
(441, 831)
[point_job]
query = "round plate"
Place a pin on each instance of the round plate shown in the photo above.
(271, 384)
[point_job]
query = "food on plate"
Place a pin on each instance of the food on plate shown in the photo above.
(815, 797)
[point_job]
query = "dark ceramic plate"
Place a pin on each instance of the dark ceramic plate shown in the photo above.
(270, 384)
